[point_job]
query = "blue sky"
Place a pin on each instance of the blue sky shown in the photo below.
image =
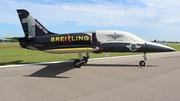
(148, 19)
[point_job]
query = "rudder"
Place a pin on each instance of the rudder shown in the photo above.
(30, 25)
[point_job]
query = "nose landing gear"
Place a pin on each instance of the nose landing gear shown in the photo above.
(143, 62)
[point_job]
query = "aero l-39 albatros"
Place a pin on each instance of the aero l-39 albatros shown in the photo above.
(37, 37)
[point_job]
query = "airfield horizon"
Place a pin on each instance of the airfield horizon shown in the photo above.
(12, 53)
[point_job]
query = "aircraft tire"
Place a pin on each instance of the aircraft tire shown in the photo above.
(85, 59)
(77, 63)
(142, 63)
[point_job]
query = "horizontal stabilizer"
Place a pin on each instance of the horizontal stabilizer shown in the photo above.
(14, 38)
(18, 38)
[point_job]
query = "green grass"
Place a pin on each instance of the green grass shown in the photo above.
(17, 55)
(9, 43)
(22, 56)
(175, 46)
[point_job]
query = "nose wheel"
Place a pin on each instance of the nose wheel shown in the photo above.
(143, 62)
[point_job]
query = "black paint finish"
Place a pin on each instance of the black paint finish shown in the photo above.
(45, 40)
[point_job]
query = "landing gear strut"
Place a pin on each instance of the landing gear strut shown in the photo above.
(82, 60)
(143, 62)
(85, 59)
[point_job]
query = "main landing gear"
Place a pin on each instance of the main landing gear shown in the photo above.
(82, 60)
(143, 62)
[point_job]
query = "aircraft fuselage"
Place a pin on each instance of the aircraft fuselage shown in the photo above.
(97, 42)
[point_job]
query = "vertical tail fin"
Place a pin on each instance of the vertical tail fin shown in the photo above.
(30, 25)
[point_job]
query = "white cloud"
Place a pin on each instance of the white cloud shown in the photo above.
(141, 13)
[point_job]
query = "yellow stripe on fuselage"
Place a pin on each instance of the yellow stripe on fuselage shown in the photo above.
(70, 50)
(74, 49)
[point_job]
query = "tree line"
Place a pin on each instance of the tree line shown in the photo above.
(8, 40)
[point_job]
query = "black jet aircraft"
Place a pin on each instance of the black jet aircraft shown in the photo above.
(37, 37)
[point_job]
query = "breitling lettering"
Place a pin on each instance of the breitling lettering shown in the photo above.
(69, 38)
(43, 29)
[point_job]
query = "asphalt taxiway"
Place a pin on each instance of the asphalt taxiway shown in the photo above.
(110, 79)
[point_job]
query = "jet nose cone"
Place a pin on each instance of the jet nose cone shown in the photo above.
(154, 47)
(169, 49)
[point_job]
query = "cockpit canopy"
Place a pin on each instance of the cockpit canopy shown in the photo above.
(106, 36)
